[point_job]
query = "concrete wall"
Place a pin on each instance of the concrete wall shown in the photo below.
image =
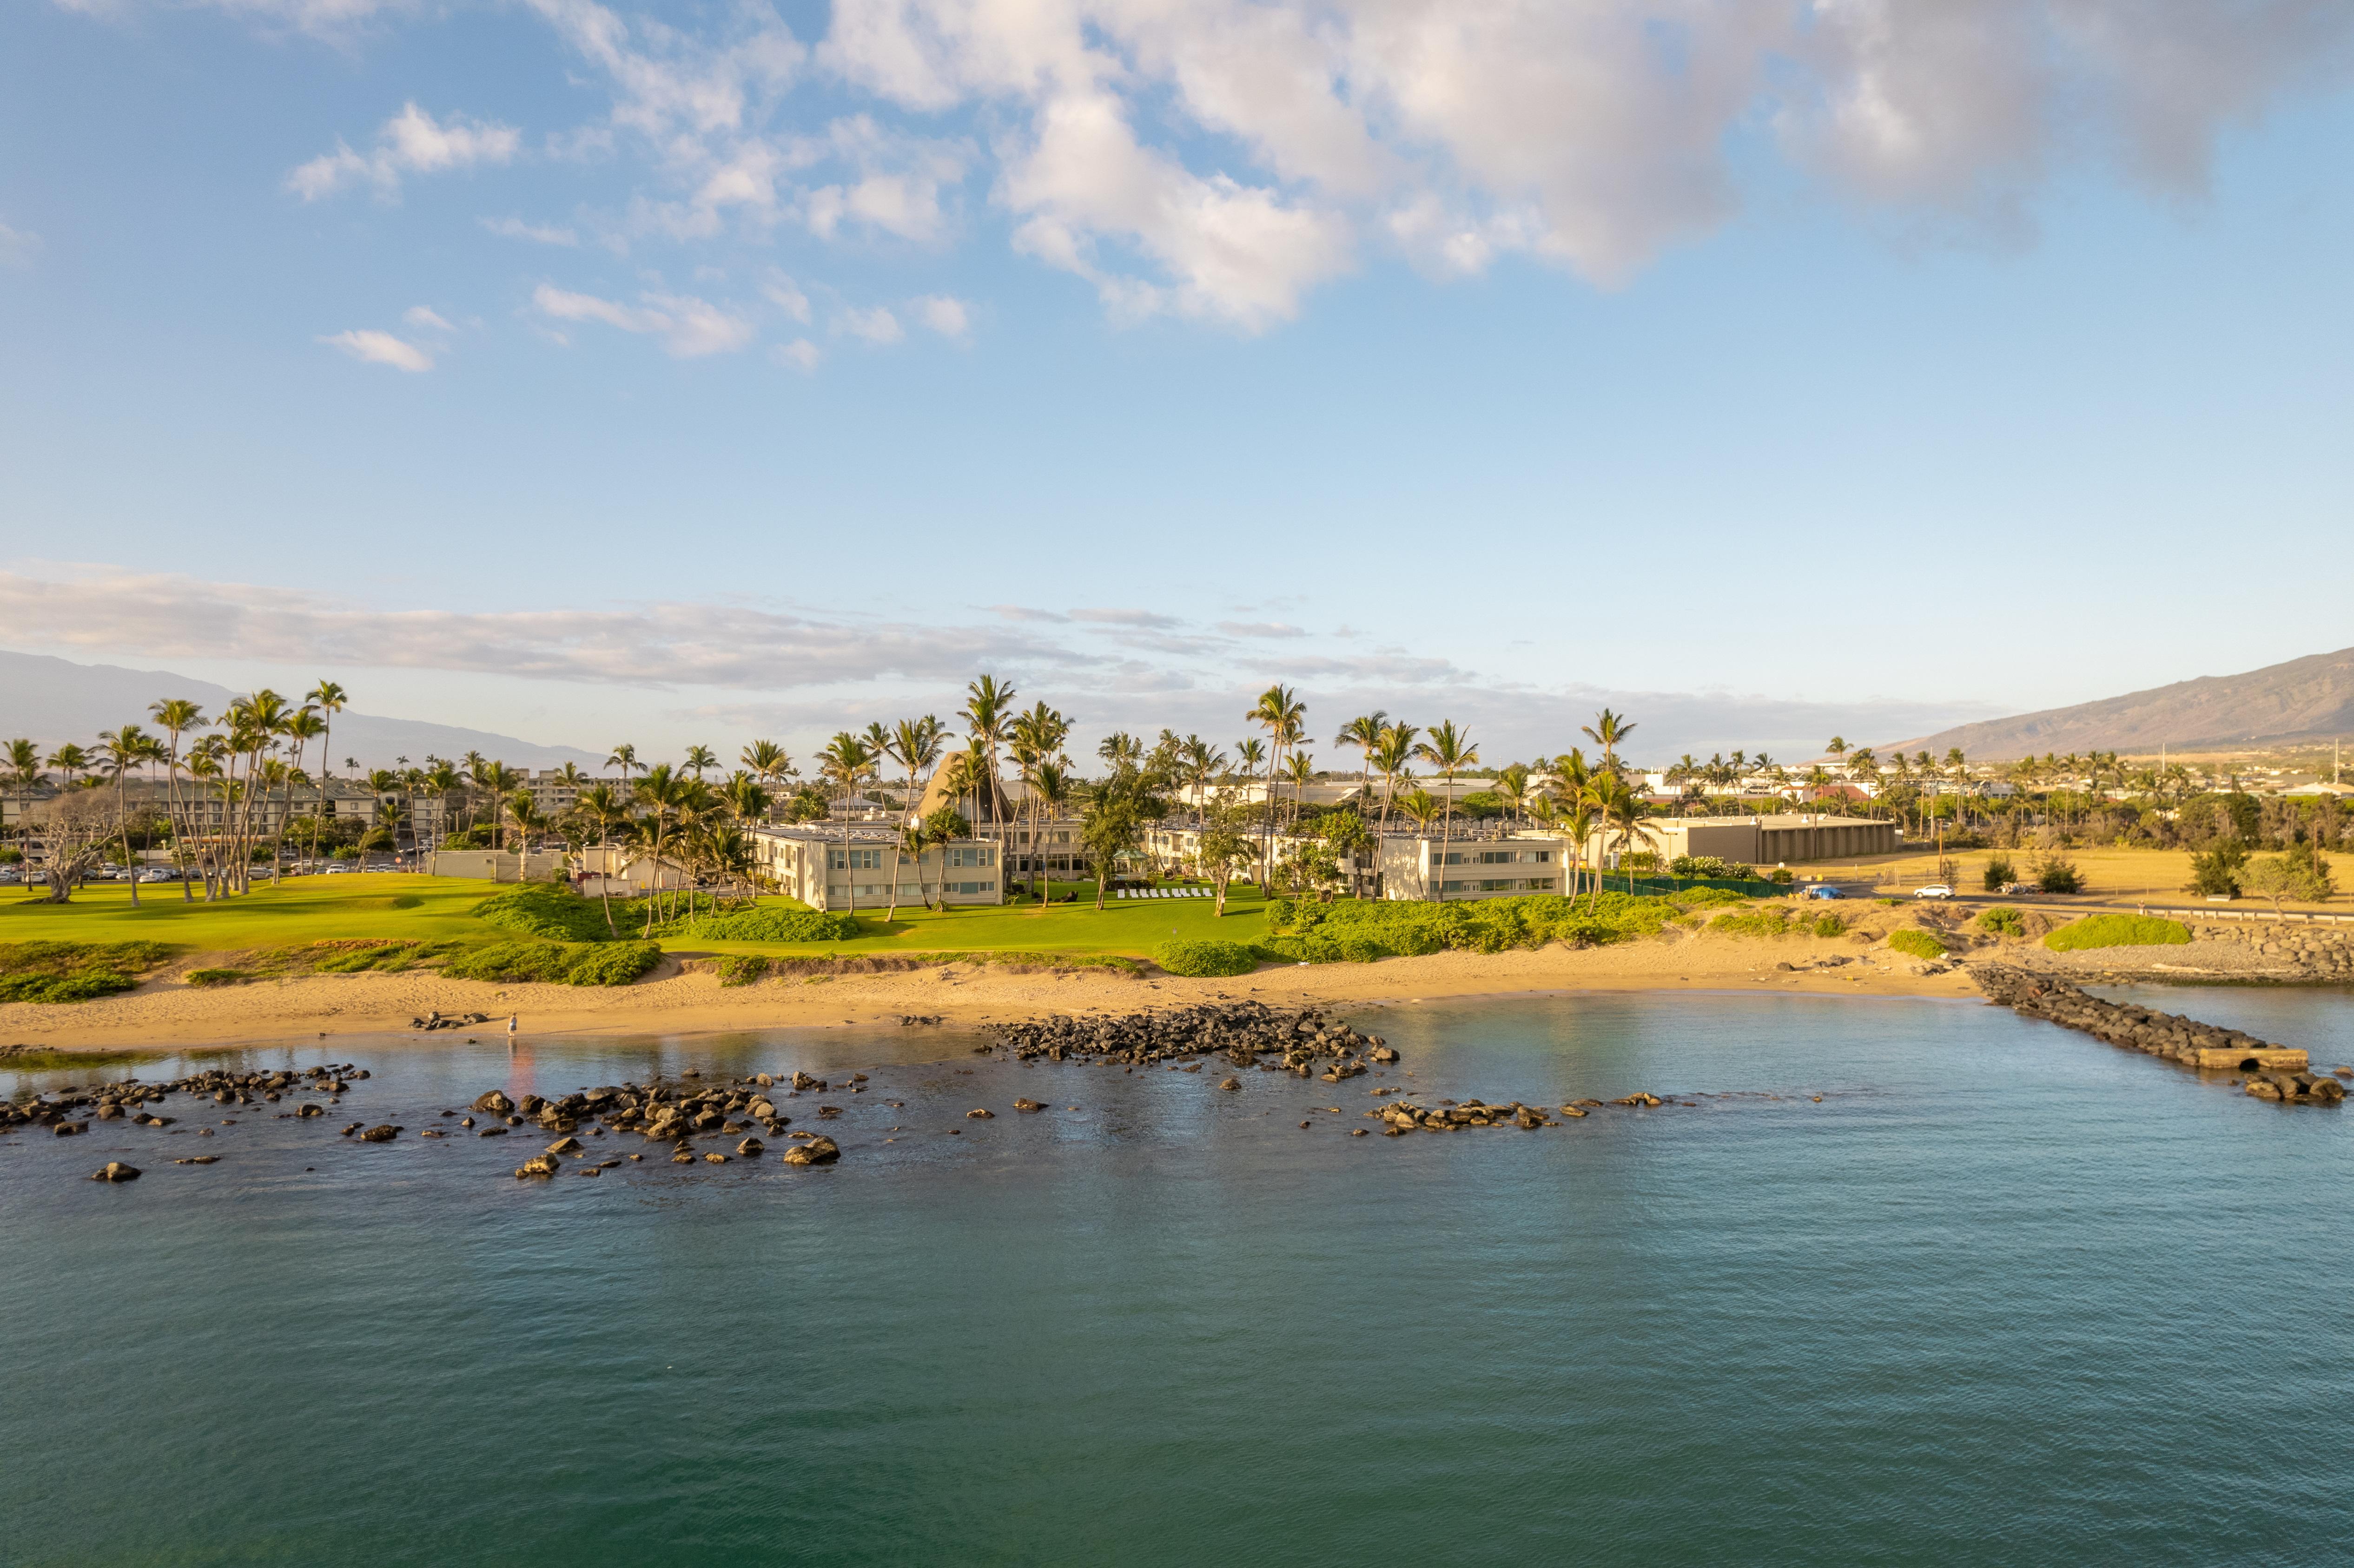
(490, 865)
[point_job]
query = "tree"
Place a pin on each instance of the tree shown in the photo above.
(843, 763)
(1124, 803)
(177, 716)
(944, 827)
(2299, 872)
(1450, 751)
(989, 717)
(70, 759)
(1391, 754)
(769, 762)
(2216, 871)
(1200, 762)
(1622, 812)
(1037, 741)
(914, 745)
(75, 827)
(1422, 808)
(661, 792)
(699, 760)
(120, 752)
(1282, 714)
(1050, 785)
(1364, 733)
(1609, 731)
(526, 813)
(1223, 846)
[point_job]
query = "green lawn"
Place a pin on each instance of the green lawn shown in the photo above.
(301, 909)
(430, 909)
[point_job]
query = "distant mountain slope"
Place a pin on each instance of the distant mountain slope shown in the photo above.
(2305, 699)
(56, 700)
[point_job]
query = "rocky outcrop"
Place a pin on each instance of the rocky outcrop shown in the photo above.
(2169, 1035)
(127, 1099)
(816, 1151)
(115, 1171)
(1242, 1032)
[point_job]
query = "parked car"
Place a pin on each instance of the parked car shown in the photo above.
(158, 874)
(1824, 890)
(1934, 890)
(341, 868)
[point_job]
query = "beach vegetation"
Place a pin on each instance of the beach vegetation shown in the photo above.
(1203, 957)
(74, 971)
(206, 978)
(544, 909)
(2117, 931)
(742, 968)
(1920, 944)
(2003, 921)
(1999, 874)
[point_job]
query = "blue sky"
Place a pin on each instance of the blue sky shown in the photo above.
(692, 373)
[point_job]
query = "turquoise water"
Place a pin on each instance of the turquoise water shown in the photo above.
(2004, 1295)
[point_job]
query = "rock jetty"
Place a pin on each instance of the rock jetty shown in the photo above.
(672, 1113)
(1242, 1031)
(2272, 1071)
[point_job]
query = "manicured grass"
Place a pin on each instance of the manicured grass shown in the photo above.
(1130, 928)
(402, 907)
(301, 909)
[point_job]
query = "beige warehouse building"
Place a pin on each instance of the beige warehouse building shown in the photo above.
(1789, 839)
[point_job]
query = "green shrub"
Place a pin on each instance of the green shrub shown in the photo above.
(613, 963)
(204, 978)
(545, 909)
(1204, 958)
(1920, 944)
(1708, 897)
(353, 956)
(2003, 922)
(2117, 931)
(774, 923)
(1782, 874)
(1753, 923)
(1830, 925)
(2059, 874)
(74, 971)
(1999, 873)
(2216, 871)
(1359, 930)
(1707, 865)
(742, 968)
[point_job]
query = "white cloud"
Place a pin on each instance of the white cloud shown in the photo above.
(787, 296)
(411, 142)
(18, 246)
(426, 318)
(689, 327)
(375, 347)
(800, 355)
(876, 325)
(949, 317)
(539, 233)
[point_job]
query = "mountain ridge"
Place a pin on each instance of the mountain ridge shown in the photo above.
(2299, 700)
(53, 700)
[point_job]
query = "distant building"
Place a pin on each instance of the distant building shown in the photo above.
(1790, 838)
(1514, 867)
(814, 864)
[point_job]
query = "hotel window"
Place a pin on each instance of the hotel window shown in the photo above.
(974, 856)
(972, 887)
(860, 860)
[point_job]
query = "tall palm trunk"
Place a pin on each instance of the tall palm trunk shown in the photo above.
(1446, 834)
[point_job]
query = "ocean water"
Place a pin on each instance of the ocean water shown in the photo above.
(2002, 1295)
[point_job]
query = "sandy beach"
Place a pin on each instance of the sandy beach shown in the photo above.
(682, 997)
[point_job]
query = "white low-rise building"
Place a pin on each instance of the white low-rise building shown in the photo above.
(828, 869)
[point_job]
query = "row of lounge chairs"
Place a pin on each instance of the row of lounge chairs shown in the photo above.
(1166, 892)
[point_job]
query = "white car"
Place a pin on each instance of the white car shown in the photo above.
(1934, 890)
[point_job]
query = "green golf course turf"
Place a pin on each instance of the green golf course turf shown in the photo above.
(395, 906)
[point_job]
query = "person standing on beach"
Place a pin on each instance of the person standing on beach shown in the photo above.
(511, 1025)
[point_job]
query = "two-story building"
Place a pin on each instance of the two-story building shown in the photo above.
(828, 868)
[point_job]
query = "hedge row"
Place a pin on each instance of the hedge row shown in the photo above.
(554, 963)
(547, 910)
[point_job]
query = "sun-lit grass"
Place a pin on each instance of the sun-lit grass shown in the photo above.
(427, 909)
(301, 909)
(1130, 928)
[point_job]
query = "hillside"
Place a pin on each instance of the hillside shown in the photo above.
(2307, 699)
(54, 699)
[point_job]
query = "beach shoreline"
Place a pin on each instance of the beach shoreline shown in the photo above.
(688, 998)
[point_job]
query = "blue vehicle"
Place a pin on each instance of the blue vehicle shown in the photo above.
(1824, 890)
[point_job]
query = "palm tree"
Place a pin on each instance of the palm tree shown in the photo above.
(768, 759)
(1450, 751)
(700, 760)
(661, 792)
(987, 718)
(302, 726)
(1623, 815)
(526, 813)
(843, 762)
(1282, 714)
(1050, 789)
(913, 745)
(1512, 789)
(1301, 771)
(328, 699)
(501, 781)
(1038, 737)
(120, 752)
(1200, 762)
(70, 759)
(624, 757)
(1609, 731)
(177, 716)
(1391, 754)
(1364, 733)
